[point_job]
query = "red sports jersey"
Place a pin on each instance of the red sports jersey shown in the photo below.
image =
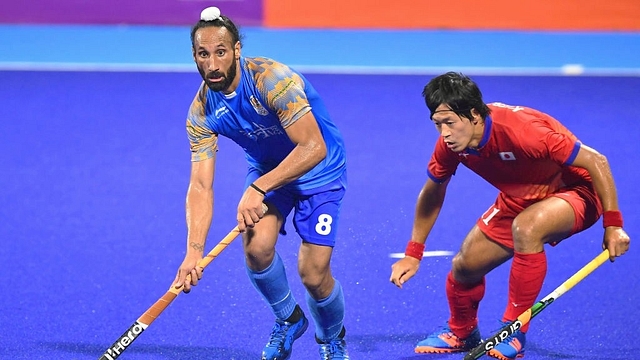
(524, 153)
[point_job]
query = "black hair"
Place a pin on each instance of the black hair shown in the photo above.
(222, 21)
(457, 91)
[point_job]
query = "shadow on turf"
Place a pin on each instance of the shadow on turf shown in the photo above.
(403, 345)
(173, 352)
(360, 344)
(592, 353)
(539, 353)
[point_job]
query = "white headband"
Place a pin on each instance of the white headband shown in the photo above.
(210, 14)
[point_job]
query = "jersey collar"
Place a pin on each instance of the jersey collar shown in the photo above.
(488, 123)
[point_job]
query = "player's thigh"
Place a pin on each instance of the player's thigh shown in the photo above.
(315, 270)
(316, 221)
(317, 216)
(260, 240)
(547, 221)
(478, 255)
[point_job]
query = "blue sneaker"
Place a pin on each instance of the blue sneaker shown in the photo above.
(282, 337)
(445, 341)
(335, 350)
(510, 348)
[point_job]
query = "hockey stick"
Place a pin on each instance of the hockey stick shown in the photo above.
(525, 317)
(156, 309)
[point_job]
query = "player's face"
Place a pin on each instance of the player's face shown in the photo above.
(458, 132)
(216, 58)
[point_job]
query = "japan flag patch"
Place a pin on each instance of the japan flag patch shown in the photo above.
(507, 155)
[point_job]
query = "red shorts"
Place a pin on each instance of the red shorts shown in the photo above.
(496, 222)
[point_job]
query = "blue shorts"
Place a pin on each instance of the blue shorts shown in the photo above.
(317, 211)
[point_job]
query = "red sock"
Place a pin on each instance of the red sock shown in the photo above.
(463, 304)
(525, 282)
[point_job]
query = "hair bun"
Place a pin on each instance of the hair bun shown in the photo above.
(210, 14)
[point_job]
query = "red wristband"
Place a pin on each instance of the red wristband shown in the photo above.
(414, 249)
(612, 218)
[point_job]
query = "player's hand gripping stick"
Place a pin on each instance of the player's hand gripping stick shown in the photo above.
(118, 347)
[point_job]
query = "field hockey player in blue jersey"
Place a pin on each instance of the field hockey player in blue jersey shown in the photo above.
(296, 166)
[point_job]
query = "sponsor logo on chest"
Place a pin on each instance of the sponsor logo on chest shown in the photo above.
(221, 111)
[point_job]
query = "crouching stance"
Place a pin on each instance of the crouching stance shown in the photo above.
(551, 187)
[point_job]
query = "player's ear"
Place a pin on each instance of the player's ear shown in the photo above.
(476, 116)
(238, 48)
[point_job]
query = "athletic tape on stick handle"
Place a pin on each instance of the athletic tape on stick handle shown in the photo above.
(156, 309)
(525, 317)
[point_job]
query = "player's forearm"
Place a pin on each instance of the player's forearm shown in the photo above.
(422, 225)
(428, 207)
(199, 212)
(299, 161)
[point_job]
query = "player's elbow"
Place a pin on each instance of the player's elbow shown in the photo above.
(601, 160)
(592, 160)
(322, 150)
(318, 151)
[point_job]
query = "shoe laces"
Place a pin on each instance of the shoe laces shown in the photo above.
(278, 333)
(446, 331)
(515, 340)
(450, 335)
(334, 348)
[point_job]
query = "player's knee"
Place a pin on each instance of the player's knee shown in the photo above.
(522, 229)
(526, 234)
(317, 283)
(312, 282)
(461, 269)
(468, 270)
(258, 255)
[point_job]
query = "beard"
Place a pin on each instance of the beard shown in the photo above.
(227, 78)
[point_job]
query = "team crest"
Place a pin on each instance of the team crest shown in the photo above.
(257, 106)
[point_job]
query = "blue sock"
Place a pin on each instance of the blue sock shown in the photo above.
(328, 313)
(272, 284)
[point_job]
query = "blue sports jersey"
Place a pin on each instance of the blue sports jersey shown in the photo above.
(269, 98)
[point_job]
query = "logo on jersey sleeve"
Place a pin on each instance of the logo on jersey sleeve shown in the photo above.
(507, 155)
(257, 106)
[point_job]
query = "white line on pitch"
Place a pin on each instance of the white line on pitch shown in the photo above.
(425, 254)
